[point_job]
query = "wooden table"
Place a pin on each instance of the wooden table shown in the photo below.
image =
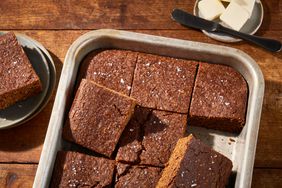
(56, 24)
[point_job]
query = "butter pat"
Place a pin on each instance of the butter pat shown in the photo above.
(211, 9)
(234, 16)
(248, 5)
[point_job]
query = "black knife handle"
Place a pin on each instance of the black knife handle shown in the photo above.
(269, 44)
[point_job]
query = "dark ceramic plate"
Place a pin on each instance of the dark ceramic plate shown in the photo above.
(21, 111)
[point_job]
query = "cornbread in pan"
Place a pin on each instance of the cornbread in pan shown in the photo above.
(98, 117)
(136, 176)
(74, 169)
(219, 98)
(150, 141)
(193, 164)
(163, 83)
(112, 68)
(130, 143)
(161, 133)
(18, 80)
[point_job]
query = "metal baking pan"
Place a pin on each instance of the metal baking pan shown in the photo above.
(240, 148)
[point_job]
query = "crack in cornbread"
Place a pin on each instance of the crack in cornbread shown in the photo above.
(151, 140)
(128, 176)
(130, 143)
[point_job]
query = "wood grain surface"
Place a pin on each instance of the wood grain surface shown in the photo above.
(119, 14)
(56, 24)
(17, 175)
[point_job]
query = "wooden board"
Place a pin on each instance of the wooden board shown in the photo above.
(120, 14)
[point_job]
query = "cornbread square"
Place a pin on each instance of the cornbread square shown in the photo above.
(163, 83)
(194, 164)
(136, 176)
(112, 68)
(150, 137)
(74, 169)
(98, 117)
(219, 98)
(18, 78)
(130, 143)
(161, 133)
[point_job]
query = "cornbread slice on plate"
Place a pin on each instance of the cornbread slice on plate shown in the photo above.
(98, 117)
(18, 78)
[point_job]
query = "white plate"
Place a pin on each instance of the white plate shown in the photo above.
(250, 27)
(19, 112)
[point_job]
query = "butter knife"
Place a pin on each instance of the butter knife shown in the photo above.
(196, 22)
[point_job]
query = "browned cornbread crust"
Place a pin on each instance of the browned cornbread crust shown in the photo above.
(18, 78)
(150, 137)
(98, 117)
(130, 143)
(219, 98)
(136, 176)
(163, 83)
(74, 169)
(113, 69)
(194, 164)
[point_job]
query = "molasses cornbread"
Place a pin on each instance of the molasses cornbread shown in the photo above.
(18, 78)
(163, 83)
(194, 164)
(74, 169)
(219, 98)
(136, 176)
(98, 117)
(161, 133)
(150, 141)
(112, 68)
(130, 143)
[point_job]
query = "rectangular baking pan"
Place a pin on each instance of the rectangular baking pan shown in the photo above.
(240, 148)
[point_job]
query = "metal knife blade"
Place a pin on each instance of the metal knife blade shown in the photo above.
(190, 20)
